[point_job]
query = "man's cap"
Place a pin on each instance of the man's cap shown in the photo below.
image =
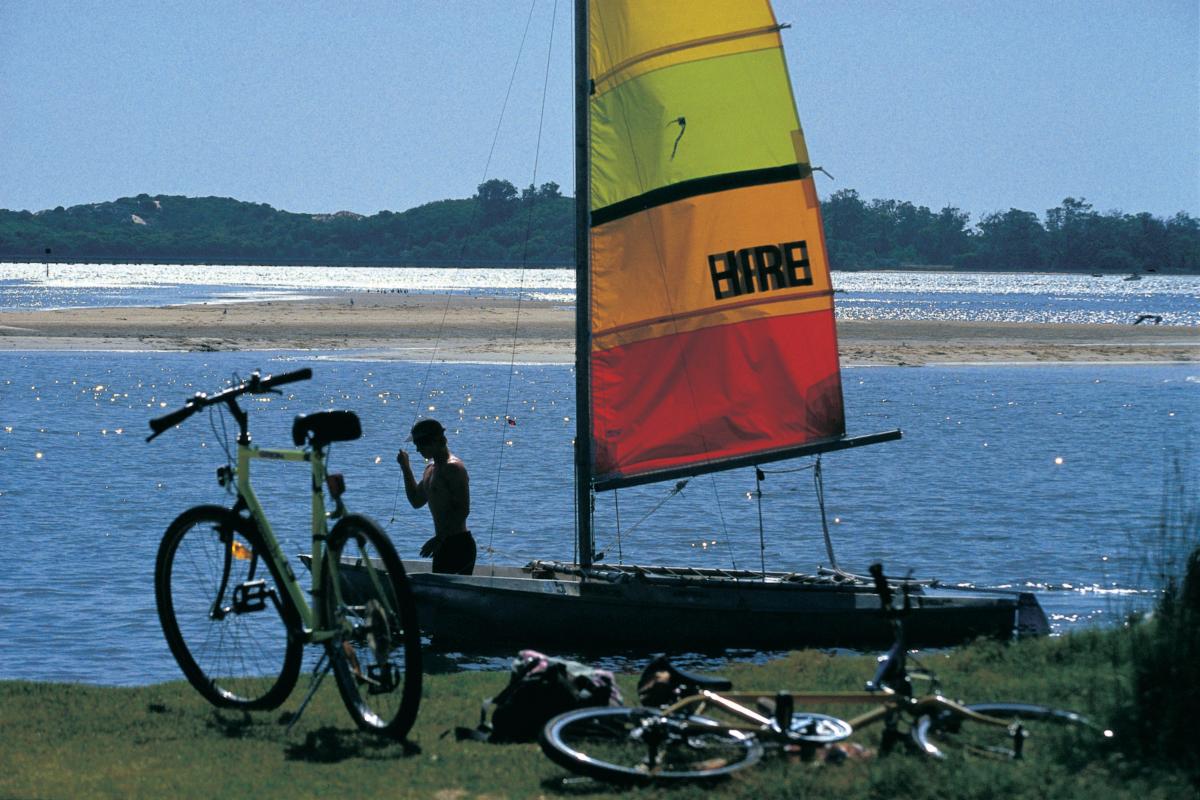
(426, 429)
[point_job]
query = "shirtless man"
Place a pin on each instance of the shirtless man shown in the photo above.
(444, 486)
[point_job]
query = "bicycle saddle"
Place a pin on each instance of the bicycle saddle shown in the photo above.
(662, 683)
(325, 427)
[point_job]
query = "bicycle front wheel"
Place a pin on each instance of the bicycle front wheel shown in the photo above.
(234, 634)
(1028, 731)
(642, 746)
(377, 654)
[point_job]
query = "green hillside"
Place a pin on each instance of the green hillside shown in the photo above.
(503, 225)
(497, 225)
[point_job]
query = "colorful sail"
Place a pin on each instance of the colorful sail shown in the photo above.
(712, 332)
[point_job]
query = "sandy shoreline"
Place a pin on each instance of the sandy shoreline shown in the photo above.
(464, 328)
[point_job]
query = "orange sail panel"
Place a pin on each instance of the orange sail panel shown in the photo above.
(712, 333)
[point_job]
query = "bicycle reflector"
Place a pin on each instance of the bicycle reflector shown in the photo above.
(336, 483)
(240, 551)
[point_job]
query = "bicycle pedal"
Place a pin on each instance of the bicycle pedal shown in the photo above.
(250, 596)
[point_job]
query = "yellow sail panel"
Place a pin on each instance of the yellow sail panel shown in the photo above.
(632, 37)
(725, 115)
(709, 260)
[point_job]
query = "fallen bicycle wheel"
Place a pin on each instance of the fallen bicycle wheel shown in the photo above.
(642, 746)
(1029, 732)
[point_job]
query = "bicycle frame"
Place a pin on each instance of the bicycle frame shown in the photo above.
(889, 690)
(886, 701)
(363, 616)
(315, 627)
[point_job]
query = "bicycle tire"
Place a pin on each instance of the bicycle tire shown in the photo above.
(642, 746)
(233, 633)
(377, 656)
(938, 735)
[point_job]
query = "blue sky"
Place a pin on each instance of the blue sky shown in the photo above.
(363, 106)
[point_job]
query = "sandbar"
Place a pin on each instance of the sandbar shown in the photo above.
(461, 327)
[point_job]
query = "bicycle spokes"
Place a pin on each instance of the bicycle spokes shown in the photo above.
(376, 638)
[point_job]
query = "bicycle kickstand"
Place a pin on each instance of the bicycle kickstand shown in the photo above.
(322, 668)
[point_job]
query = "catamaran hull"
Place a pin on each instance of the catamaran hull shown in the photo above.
(506, 606)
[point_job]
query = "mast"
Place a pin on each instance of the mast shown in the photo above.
(583, 413)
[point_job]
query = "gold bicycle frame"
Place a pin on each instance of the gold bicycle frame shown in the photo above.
(315, 627)
(736, 704)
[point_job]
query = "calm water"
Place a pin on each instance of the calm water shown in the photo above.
(1050, 477)
(998, 297)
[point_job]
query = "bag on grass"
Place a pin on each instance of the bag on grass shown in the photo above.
(540, 687)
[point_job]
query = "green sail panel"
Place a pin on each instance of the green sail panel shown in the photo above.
(690, 121)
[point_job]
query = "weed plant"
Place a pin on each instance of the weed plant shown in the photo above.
(1158, 718)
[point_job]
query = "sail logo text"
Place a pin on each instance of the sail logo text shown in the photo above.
(759, 269)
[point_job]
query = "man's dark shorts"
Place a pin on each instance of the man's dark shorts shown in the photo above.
(456, 555)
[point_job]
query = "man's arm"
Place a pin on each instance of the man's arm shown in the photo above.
(414, 490)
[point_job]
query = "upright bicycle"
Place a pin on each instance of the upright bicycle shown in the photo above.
(693, 728)
(234, 614)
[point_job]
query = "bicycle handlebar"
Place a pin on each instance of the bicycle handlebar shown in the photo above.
(254, 385)
(272, 381)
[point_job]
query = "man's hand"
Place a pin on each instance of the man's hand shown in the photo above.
(402, 458)
(431, 546)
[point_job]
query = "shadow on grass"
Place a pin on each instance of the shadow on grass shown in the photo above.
(329, 745)
(232, 725)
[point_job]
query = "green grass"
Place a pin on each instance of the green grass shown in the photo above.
(63, 741)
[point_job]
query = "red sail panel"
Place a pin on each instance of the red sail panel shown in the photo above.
(716, 394)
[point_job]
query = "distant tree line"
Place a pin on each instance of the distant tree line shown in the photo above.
(503, 225)
(1071, 238)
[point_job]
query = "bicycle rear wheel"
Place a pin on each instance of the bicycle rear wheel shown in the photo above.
(234, 635)
(1030, 731)
(642, 746)
(377, 656)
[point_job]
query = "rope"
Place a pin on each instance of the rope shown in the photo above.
(617, 508)
(820, 487)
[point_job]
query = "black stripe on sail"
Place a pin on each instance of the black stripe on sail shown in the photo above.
(698, 186)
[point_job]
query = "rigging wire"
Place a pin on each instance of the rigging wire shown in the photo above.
(486, 168)
(537, 151)
(421, 387)
(676, 489)
(819, 488)
(759, 477)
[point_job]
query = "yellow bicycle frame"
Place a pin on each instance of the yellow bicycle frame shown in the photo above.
(316, 628)
(886, 701)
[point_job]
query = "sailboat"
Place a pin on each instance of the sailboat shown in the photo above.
(705, 341)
